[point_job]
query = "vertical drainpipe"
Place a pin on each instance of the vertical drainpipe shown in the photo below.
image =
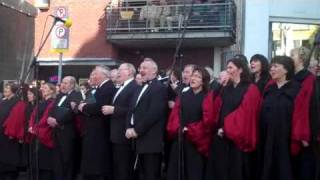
(243, 26)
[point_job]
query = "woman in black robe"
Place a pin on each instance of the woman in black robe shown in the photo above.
(9, 148)
(260, 71)
(187, 114)
(42, 151)
(307, 115)
(233, 113)
(276, 122)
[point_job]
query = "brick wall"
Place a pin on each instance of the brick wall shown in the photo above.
(87, 34)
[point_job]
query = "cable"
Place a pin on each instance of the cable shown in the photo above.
(182, 32)
(44, 30)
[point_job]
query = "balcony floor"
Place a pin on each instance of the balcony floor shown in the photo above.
(169, 39)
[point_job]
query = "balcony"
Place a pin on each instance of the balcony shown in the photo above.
(161, 24)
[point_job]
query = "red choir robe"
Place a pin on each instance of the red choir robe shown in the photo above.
(301, 128)
(198, 132)
(42, 130)
(14, 125)
(240, 125)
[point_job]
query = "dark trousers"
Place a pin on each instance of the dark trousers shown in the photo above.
(45, 175)
(149, 166)
(9, 175)
(93, 177)
(123, 161)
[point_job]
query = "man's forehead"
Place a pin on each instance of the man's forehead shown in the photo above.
(188, 68)
(66, 79)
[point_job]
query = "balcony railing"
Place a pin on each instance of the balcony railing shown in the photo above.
(162, 17)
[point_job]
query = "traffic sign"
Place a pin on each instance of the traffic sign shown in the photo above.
(61, 12)
(60, 33)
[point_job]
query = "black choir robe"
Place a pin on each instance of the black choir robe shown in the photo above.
(235, 109)
(262, 82)
(276, 132)
(96, 145)
(189, 105)
(9, 147)
(43, 134)
(306, 119)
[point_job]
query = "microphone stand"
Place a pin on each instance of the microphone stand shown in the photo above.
(33, 66)
(178, 59)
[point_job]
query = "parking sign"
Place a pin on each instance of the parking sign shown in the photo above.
(60, 33)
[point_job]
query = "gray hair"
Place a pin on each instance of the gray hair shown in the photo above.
(153, 63)
(131, 68)
(104, 70)
(72, 81)
(303, 53)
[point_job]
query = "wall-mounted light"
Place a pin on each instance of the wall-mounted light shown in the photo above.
(42, 4)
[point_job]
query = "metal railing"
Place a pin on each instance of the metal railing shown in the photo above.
(153, 18)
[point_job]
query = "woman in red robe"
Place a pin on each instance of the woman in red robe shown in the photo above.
(187, 115)
(306, 117)
(232, 114)
(43, 143)
(9, 146)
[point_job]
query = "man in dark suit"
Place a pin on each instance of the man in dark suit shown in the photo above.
(123, 154)
(96, 146)
(146, 121)
(61, 119)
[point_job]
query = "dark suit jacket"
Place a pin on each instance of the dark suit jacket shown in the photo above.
(64, 114)
(64, 134)
(96, 146)
(121, 109)
(103, 96)
(149, 117)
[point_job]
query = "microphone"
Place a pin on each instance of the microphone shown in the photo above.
(67, 22)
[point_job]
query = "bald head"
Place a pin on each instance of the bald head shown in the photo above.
(148, 69)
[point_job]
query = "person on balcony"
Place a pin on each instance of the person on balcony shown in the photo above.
(150, 13)
(165, 15)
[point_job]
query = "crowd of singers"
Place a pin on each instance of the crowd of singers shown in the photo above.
(258, 121)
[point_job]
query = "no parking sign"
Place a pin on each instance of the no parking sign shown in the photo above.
(60, 33)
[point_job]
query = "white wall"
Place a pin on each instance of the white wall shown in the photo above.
(302, 9)
(260, 12)
(256, 27)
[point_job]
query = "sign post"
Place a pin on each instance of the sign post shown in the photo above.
(60, 37)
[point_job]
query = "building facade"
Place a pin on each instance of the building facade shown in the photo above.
(274, 27)
(111, 32)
